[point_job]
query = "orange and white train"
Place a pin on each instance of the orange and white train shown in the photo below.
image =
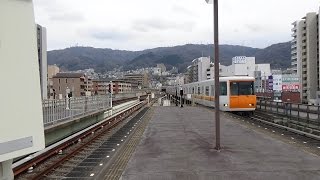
(236, 93)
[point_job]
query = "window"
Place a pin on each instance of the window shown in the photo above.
(223, 88)
(59, 81)
(207, 90)
(241, 88)
(246, 88)
(198, 90)
(66, 80)
(212, 90)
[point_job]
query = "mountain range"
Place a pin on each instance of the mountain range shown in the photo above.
(103, 59)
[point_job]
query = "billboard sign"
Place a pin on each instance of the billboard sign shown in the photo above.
(239, 60)
(290, 87)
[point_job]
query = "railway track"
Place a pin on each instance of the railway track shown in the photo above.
(264, 124)
(61, 158)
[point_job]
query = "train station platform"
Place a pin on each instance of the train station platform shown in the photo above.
(178, 144)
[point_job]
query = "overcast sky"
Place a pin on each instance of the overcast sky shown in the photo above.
(142, 24)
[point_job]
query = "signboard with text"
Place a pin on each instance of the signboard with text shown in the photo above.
(288, 87)
(239, 60)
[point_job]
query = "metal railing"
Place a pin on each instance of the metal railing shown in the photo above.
(304, 116)
(58, 110)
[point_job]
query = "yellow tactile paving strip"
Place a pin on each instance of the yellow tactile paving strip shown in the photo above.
(117, 167)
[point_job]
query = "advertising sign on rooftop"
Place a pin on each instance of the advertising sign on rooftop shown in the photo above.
(239, 60)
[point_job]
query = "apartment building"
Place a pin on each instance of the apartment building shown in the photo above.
(78, 84)
(42, 59)
(120, 86)
(198, 70)
(305, 55)
(140, 79)
(101, 87)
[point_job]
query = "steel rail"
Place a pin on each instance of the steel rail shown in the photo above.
(55, 150)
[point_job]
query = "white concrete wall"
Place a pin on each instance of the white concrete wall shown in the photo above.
(21, 119)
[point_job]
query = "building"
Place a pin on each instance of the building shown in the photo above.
(180, 80)
(290, 82)
(280, 86)
(162, 67)
(246, 66)
(52, 71)
(77, 83)
(201, 69)
(305, 55)
(42, 59)
(101, 87)
(157, 71)
(210, 71)
(120, 86)
(140, 79)
(198, 70)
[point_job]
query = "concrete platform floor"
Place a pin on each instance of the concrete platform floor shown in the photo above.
(178, 145)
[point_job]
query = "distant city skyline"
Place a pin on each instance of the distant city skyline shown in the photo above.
(144, 24)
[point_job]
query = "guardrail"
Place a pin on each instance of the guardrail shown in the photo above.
(307, 117)
(55, 111)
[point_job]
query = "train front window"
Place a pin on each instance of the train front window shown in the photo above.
(246, 88)
(241, 88)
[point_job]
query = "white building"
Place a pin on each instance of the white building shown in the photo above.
(305, 55)
(198, 69)
(180, 80)
(246, 66)
(277, 82)
(156, 71)
(222, 71)
(162, 67)
(42, 59)
(202, 69)
(242, 65)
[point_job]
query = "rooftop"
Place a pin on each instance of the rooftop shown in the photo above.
(69, 75)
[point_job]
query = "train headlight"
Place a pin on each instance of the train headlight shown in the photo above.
(251, 104)
(225, 105)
